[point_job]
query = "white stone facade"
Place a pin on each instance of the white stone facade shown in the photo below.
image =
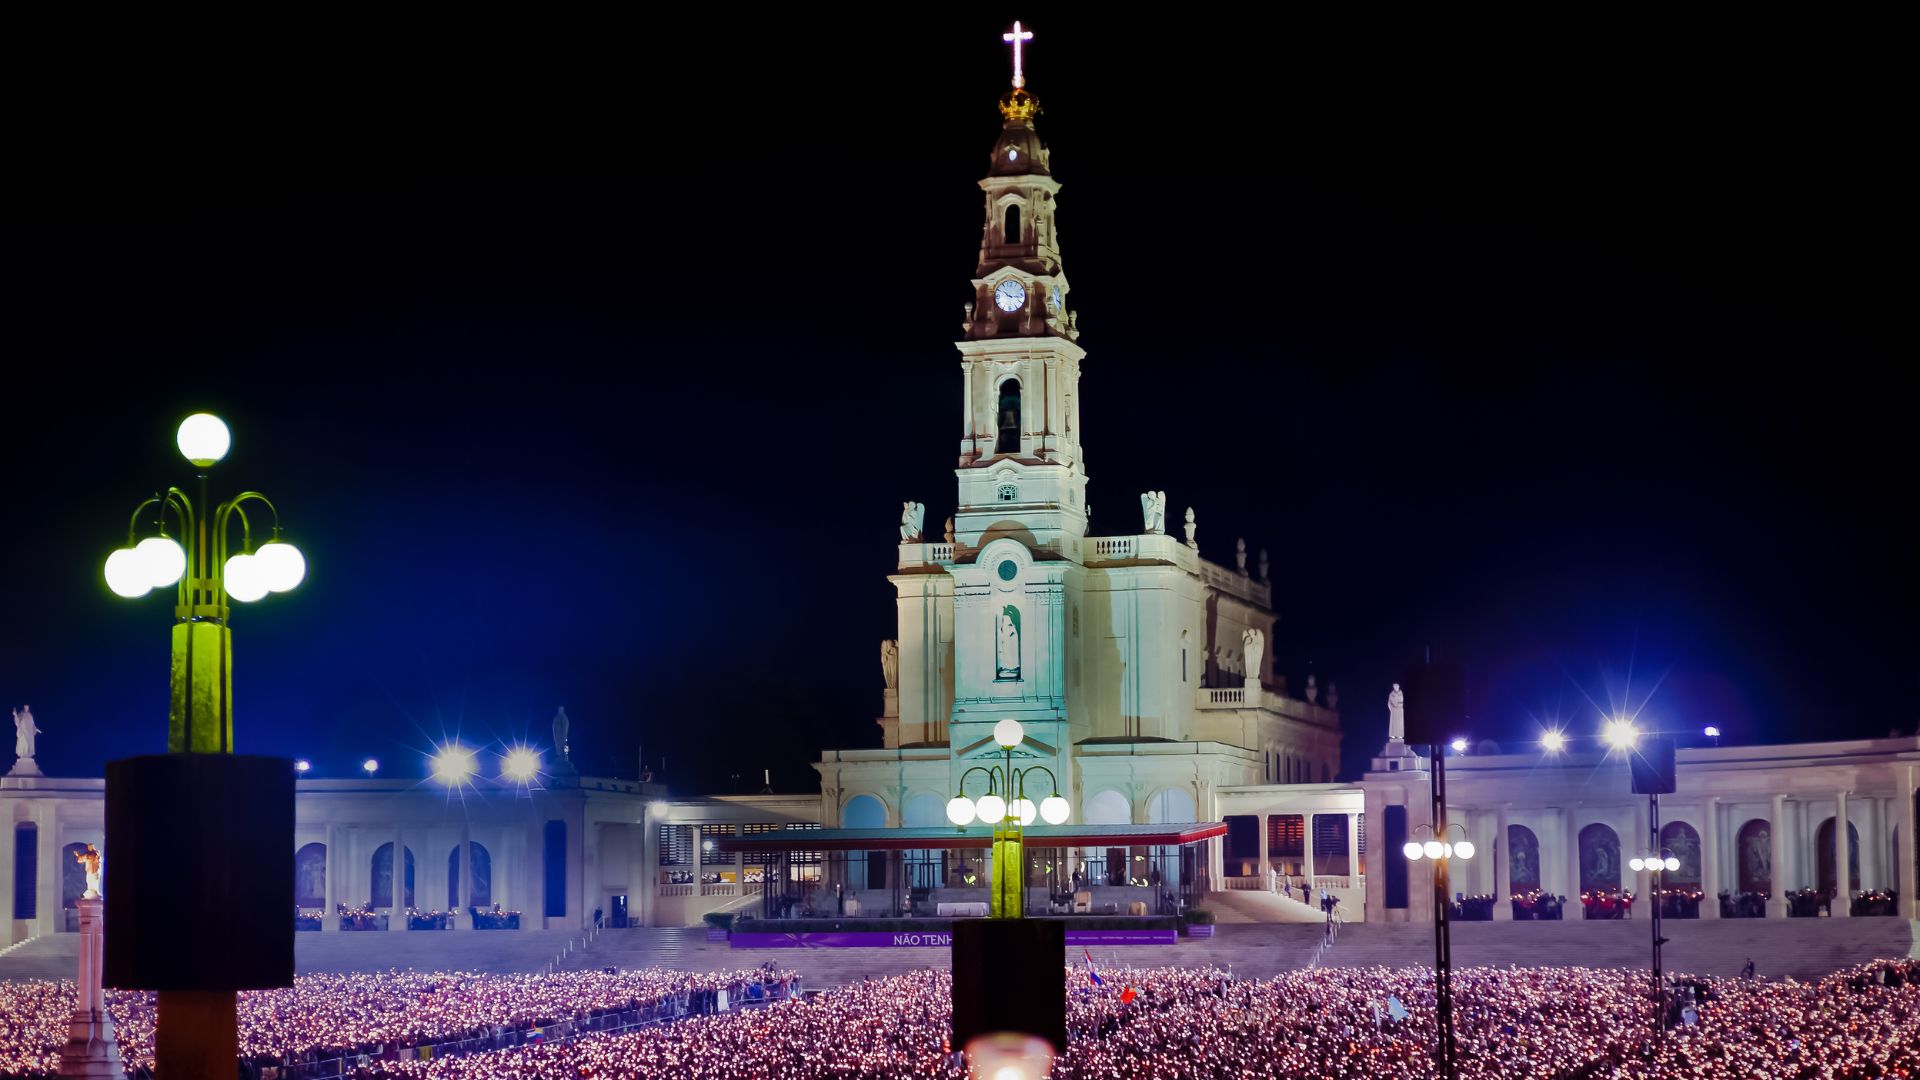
(1122, 656)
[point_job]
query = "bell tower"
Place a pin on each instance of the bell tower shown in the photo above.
(1020, 471)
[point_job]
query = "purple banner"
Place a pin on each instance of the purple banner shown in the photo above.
(927, 939)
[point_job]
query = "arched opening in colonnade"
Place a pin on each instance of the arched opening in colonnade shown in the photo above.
(310, 876)
(381, 895)
(1753, 856)
(1599, 859)
(482, 876)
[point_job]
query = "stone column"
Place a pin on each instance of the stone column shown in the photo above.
(1909, 818)
(1261, 821)
(9, 836)
(397, 914)
(90, 1050)
(329, 918)
(1502, 868)
(1710, 860)
(52, 918)
(1842, 889)
(1777, 830)
(1307, 864)
(1573, 863)
(462, 917)
(1353, 851)
(533, 908)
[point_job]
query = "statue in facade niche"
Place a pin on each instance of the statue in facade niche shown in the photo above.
(1240, 555)
(949, 530)
(89, 861)
(1006, 648)
(1333, 695)
(1313, 690)
(1263, 564)
(1253, 651)
(1191, 528)
(913, 520)
(1153, 511)
(890, 663)
(1396, 715)
(23, 732)
(560, 726)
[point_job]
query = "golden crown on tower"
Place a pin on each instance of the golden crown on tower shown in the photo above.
(1017, 104)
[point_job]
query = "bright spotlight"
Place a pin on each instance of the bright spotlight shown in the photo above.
(1620, 734)
(1553, 742)
(521, 764)
(454, 764)
(301, 765)
(1459, 746)
(372, 765)
(1711, 732)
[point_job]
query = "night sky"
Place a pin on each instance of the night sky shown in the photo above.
(590, 365)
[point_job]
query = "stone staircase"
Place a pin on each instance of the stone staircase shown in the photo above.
(1242, 906)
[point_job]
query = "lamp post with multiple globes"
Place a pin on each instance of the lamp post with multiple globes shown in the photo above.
(206, 577)
(1006, 807)
(184, 820)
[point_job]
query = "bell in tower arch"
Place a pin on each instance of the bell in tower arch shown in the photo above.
(1009, 441)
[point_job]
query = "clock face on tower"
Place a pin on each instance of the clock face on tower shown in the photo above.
(1011, 295)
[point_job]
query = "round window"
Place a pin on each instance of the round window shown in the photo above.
(1008, 570)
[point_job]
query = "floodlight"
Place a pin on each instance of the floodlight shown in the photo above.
(521, 763)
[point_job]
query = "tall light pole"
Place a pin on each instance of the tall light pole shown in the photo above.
(201, 838)
(1009, 814)
(1441, 851)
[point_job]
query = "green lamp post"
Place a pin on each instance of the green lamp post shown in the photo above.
(200, 875)
(205, 576)
(1006, 807)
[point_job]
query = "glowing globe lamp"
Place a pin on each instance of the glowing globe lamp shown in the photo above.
(1637, 864)
(1463, 850)
(1054, 810)
(372, 765)
(281, 565)
(1459, 746)
(1025, 811)
(1712, 732)
(1413, 850)
(203, 439)
(960, 810)
(127, 574)
(521, 764)
(301, 765)
(163, 559)
(245, 581)
(1672, 864)
(1008, 733)
(1006, 1055)
(991, 808)
(1433, 849)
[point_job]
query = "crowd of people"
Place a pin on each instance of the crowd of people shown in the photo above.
(326, 1017)
(1156, 1024)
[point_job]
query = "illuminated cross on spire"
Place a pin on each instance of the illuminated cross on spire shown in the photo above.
(1014, 39)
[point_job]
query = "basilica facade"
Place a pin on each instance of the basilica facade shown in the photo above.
(1138, 668)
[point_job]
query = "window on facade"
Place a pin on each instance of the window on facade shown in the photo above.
(26, 869)
(676, 845)
(1009, 418)
(1013, 224)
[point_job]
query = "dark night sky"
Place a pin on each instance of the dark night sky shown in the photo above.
(590, 364)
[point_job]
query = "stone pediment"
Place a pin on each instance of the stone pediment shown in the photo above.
(987, 750)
